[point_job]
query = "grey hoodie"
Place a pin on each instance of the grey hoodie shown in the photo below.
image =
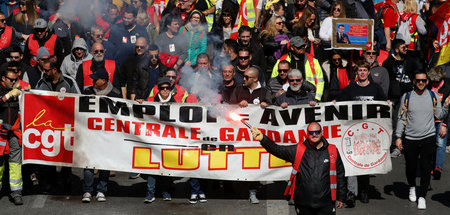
(70, 64)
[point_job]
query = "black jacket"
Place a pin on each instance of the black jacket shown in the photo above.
(140, 81)
(312, 188)
(243, 93)
(307, 94)
(9, 110)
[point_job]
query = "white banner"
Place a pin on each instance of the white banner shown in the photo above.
(188, 140)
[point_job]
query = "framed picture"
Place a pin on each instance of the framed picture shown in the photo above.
(352, 34)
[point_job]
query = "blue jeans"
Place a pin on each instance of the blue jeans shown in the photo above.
(103, 176)
(165, 183)
(441, 143)
(195, 186)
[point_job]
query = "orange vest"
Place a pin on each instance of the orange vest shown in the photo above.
(110, 67)
(412, 29)
(5, 40)
(33, 46)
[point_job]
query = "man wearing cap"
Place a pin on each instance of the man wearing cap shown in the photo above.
(9, 140)
(318, 177)
(101, 87)
(42, 38)
(179, 93)
(98, 61)
(306, 63)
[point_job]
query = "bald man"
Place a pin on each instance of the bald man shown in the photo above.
(128, 67)
(90, 66)
(320, 175)
(251, 91)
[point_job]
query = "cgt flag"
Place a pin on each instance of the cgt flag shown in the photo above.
(442, 19)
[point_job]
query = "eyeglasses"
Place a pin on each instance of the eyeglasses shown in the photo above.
(99, 51)
(12, 79)
(40, 30)
(98, 35)
(46, 70)
(247, 77)
(154, 56)
(164, 88)
(421, 80)
(337, 59)
(314, 132)
(337, 9)
(280, 23)
(139, 47)
(283, 70)
(371, 53)
(244, 57)
(171, 76)
(2, 20)
(295, 80)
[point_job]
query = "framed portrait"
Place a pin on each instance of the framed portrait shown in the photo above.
(352, 34)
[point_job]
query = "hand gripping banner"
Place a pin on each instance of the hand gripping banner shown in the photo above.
(195, 140)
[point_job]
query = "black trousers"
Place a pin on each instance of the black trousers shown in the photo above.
(328, 210)
(419, 152)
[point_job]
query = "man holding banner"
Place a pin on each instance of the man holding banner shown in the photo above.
(317, 182)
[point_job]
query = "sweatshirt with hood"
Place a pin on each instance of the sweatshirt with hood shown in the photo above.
(70, 63)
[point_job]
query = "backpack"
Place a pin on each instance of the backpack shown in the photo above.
(379, 16)
(403, 31)
(406, 103)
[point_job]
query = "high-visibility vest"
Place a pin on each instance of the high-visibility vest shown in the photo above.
(210, 17)
(412, 29)
(110, 67)
(251, 15)
(33, 46)
(5, 40)
(312, 73)
(301, 148)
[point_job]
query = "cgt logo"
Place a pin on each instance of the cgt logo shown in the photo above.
(48, 132)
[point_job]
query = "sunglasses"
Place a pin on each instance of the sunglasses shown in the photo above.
(139, 47)
(164, 88)
(14, 57)
(247, 77)
(280, 23)
(99, 51)
(283, 70)
(371, 53)
(421, 80)
(244, 57)
(337, 9)
(40, 30)
(314, 132)
(337, 59)
(98, 35)
(295, 80)
(171, 76)
(154, 56)
(46, 70)
(2, 20)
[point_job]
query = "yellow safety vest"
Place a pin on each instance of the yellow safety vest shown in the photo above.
(251, 15)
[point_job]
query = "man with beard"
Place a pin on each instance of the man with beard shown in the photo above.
(258, 59)
(306, 63)
(298, 92)
(124, 35)
(28, 74)
(128, 68)
(97, 36)
(146, 74)
(42, 37)
(88, 66)
(399, 77)
(278, 85)
(378, 73)
(78, 54)
(251, 92)
(171, 41)
(54, 80)
(294, 12)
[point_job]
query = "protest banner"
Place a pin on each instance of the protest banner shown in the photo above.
(352, 34)
(194, 140)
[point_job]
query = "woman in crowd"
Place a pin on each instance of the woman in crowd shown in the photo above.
(274, 39)
(326, 30)
(335, 70)
(143, 20)
(276, 9)
(23, 22)
(196, 32)
(309, 22)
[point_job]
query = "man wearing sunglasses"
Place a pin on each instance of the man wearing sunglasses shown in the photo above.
(298, 92)
(9, 110)
(415, 133)
(42, 37)
(7, 38)
(29, 74)
(97, 36)
(315, 190)
(98, 61)
(76, 57)
(128, 67)
(378, 74)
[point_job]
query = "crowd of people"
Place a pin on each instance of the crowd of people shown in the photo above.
(271, 52)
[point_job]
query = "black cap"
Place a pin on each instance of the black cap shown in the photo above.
(100, 74)
(163, 80)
